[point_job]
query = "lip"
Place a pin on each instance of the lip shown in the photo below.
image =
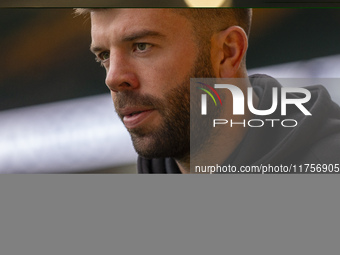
(140, 115)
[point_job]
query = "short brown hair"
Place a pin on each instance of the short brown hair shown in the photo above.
(217, 19)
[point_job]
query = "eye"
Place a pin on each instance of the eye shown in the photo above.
(104, 55)
(142, 46)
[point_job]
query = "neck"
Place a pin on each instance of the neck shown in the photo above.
(183, 164)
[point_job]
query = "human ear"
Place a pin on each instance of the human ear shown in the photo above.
(232, 45)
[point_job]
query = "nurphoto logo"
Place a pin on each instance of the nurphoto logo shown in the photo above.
(238, 104)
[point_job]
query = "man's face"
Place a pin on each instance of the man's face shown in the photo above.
(149, 56)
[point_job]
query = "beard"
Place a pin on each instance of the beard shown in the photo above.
(172, 137)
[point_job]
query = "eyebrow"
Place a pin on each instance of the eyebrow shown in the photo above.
(142, 34)
(131, 37)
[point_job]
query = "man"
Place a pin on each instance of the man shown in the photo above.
(151, 54)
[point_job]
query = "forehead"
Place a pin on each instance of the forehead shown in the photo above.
(119, 22)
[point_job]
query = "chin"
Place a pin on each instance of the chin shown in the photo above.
(148, 147)
(151, 147)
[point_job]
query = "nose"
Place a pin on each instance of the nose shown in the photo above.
(120, 74)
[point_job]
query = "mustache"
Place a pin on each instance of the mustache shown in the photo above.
(132, 99)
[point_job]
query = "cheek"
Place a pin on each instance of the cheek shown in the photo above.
(169, 73)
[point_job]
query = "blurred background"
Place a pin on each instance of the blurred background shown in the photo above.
(56, 114)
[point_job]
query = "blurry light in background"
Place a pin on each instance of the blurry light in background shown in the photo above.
(208, 3)
(75, 135)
